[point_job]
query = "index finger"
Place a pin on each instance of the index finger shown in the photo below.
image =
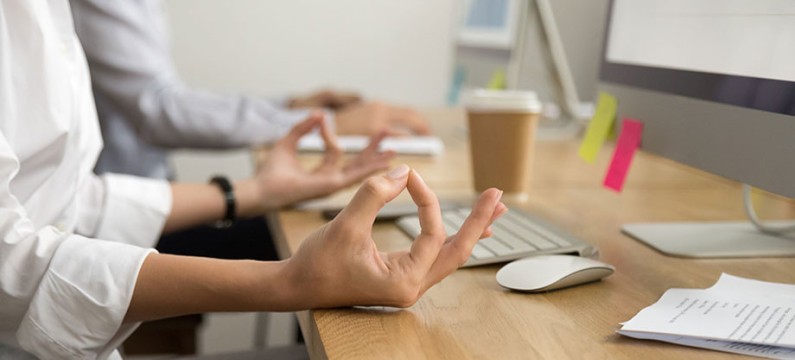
(426, 246)
(374, 146)
(456, 251)
(373, 194)
(333, 151)
(301, 129)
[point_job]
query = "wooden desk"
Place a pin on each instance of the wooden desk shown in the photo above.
(468, 315)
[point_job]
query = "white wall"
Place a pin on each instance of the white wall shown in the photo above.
(396, 50)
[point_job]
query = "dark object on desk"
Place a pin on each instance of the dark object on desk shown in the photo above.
(393, 211)
(551, 272)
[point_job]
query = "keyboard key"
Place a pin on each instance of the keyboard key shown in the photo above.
(527, 234)
(495, 246)
(532, 226)
(512, 241)
(515, 235)
(480, 252)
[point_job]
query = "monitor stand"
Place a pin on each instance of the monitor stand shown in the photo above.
(712, 240)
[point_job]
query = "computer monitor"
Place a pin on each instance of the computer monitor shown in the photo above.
(713, 81)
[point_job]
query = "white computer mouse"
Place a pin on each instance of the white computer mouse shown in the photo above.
(549, 272)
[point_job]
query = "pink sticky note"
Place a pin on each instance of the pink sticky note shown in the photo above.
(628, 142)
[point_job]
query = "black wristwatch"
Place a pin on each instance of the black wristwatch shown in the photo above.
(229, 195)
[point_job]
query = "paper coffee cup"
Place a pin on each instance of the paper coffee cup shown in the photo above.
(502, 127)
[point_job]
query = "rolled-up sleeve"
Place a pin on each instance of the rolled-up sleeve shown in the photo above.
(78, 308)
(134, 210)
(64, 295)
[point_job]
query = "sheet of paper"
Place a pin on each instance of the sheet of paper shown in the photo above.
(733, 315)
(599, 127)
(776, 352)
(729, 283)
(410, 145)
(628, 142)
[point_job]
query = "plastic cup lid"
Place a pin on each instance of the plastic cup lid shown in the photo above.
(483, 100)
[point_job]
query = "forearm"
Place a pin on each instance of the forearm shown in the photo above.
(170, 285)
(196, 204)
(179, 116)
(336, 265)
(132, 69)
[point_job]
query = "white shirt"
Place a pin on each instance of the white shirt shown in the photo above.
(144, 108)
(62, 293)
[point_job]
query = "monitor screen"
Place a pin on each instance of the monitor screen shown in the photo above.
(713, 82)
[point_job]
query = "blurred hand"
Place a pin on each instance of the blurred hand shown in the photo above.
(339, 265)
(329, 99)
(370, 118)
(282, 180)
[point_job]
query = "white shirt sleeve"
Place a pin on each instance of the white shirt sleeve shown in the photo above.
(81, 299)
(134, 209)
(62, 295)
(123, 208)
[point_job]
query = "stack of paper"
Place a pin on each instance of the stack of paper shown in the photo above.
(412, 145)
(735, 315)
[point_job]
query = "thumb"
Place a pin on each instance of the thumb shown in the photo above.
(374, 194)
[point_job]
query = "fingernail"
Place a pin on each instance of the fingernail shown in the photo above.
(399, 172)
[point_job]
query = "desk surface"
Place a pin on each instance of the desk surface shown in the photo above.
(468, 315)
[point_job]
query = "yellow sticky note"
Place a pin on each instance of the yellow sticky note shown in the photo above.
(599, 127)
(497, 81)
(613, 133)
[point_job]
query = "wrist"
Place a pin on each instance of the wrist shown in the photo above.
(249, 198)
(281, 291)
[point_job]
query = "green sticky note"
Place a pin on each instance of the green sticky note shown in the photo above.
(497, 81)
(599, 127)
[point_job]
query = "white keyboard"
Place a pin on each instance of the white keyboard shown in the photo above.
(409, 145)
(515, 235)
